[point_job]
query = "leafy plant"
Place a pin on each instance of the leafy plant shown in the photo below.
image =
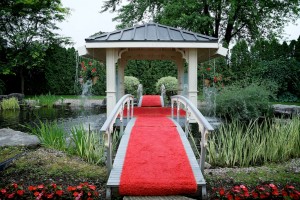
(88, 145)
(46, 100)
(9, 104)
(131, 84)
(239, 144)
(243, 102)
(51, 135)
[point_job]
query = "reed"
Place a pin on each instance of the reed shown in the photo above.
(51, 135)
(46, 100)
(255, 143)
(9, 104)
(88, 145)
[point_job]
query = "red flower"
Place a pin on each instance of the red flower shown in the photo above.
(75, 194)
(36, 193)
(20, 192)
(255, 195)
(208, 69)
(79, 187)
(92, 187)
(96, 194)
(82, 64)
(94, 70)
(50, 196)
(40, 186)
(222, 192)
(15, 185)
(54, 185)
(59, 192)
(70, 188)
(284, 193)
(229, 197)
(3, 191)
(10, 196)
(275, 192)
(90, 63)
(89, 198)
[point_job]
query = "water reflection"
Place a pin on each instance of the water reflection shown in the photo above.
(68, 117)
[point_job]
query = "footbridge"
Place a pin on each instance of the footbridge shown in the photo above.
(154, 157)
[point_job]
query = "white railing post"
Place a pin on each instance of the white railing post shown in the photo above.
(107, 127)
(204, 125)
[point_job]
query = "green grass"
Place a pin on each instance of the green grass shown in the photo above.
(9, 104)
(280, 174)
(9, 152)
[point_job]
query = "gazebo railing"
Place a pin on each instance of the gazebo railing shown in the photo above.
(204, 126)
(140, 94)
(107, 127)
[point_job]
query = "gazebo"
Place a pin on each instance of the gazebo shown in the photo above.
(150, 41)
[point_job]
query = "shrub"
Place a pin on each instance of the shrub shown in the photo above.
(131, 85)
(243, 102)
(9, 104)
(170, 83)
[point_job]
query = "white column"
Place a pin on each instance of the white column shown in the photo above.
(192, 75)
(111, 98)
(121, 68)
(180, 74)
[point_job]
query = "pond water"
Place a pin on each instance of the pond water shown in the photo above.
(67, 117)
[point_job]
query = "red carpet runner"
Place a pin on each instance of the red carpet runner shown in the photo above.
(156, 162)
(151, 101)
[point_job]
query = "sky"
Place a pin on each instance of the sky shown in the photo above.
(85, 20)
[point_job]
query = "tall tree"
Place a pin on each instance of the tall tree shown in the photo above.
(27, 28)
(224, 19)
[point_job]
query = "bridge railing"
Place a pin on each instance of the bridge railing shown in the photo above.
(204, 126)
(107, 128)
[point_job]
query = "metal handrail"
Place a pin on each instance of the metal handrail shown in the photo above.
(107, 127)
(204, 125)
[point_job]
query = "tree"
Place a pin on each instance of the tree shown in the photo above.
(27, 31)
(223, 19)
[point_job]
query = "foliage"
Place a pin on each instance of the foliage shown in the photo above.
(148, 72)
(131, 85)
(243, 102)
(51, 191)
(60, 70)
(2, 87)
(46, 100)
(87, 145)
(170, 83)
(9, 104)
(255, 143)
(90, 70)
(223, 19)
(51, 135)
(28, 29)
(265, 191)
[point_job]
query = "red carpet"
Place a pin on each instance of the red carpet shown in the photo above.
(153, 112)
(156, 162)
(151, 101)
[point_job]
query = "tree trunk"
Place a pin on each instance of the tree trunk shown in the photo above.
(22, 81)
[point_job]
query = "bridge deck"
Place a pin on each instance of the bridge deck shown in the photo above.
(114, 177)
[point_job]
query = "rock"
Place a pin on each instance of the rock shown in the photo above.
(286, 109)
(3, 97)
(9, 137)
(18, 96)
(207, 165)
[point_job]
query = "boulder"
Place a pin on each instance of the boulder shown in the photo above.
(18, 96)
(9, 137)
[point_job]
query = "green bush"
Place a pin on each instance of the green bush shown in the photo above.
(9, 104)
(170, 83)
(131, 85)
(243, 102)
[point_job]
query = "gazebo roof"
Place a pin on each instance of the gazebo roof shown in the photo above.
(151, 32)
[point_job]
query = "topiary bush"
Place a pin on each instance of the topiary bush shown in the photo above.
(170, 83)
(131, 85)
(171, 86)
(244, 102)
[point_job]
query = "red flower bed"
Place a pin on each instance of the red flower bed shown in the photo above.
(83, 191)
(266, 191)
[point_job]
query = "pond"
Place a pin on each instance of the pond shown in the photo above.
(67, 117)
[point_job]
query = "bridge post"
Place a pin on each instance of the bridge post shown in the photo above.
(111, 58)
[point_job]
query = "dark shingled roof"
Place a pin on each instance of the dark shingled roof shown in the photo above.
(151, 32)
